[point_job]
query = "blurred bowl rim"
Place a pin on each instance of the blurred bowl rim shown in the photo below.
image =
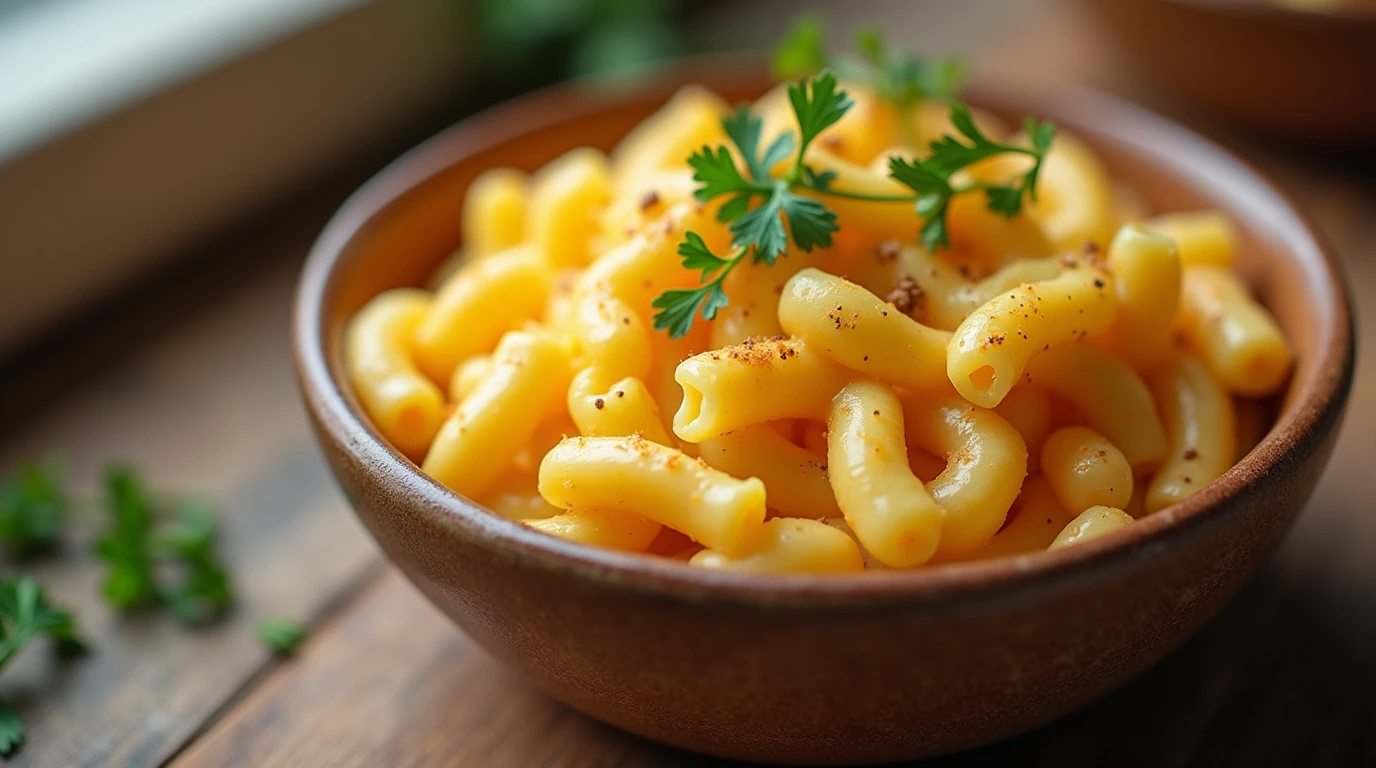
(1318, 399)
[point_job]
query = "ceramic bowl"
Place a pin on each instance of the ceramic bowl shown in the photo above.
(821, 670)
(1301, 74)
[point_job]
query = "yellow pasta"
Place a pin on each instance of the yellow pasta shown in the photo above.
(986, 464)
(494, 212)
(1202, 427)
(1091, 524)
(567, 200)
(1075, 200)
(855, 328)
(1146, 275)
(754, 382)
(513, 495)
(1028, 410)
(610, 528)
(790, 545)
(476, 306)
(887, 507)
(1110, 396)
(468, 376)
(1033, 522)
(1086, 470)
(495, 421)
(794, 477)
(691, 119)
(1233, 334)
(405, 406)
(1203, 238)
(991, 347)
(634, 475)
(941, 296)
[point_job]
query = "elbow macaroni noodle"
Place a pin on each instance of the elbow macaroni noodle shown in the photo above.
(867, 405)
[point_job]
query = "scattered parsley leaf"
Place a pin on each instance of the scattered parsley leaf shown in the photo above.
(204, 591)
(32, 508)
(802, 51)
(283, 636)
(25, 613)
(133, 547)
(11, 730)
(125, 547)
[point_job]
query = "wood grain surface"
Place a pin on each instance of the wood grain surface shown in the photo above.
(190, 379)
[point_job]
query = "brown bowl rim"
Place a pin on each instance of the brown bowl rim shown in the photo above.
(1322, 395)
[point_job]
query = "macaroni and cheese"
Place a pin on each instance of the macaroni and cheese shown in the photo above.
(871, 400)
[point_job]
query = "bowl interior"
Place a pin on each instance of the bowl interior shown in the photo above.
(398, 228)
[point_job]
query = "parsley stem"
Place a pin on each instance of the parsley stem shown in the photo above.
(864, 196)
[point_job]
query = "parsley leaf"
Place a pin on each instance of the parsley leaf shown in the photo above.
(802, 51)
(32, 508)
(809, 221)
(761, 228)
(930, 178)
(25, 613)
(817, 105)
(678, 307)
(204, 590)
(716, 172)
(744, 130)
(904, 80)
(134, 547)
(11, 730)
(283, 636)
(696, 255)
(125, 548)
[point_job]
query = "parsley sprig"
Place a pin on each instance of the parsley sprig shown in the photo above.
(930, 178)
(764, 211)
(758, 231)
(26, 613)
(139, 554)
(32, 508)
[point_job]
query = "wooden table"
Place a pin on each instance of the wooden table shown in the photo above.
(189, 378)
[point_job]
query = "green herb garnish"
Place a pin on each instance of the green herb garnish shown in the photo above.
(931, 178)
(283, 636)
(32, 508)
(764, 211)
(137, 552)
(898, 77)
(25, 614)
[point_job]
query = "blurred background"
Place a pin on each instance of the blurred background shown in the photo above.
(165, 165)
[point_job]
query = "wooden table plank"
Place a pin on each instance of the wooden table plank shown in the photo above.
(198, 392)
(393, 683)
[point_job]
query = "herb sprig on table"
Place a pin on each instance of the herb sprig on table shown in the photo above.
(26, 614)
(765, 211)
(156, 555)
